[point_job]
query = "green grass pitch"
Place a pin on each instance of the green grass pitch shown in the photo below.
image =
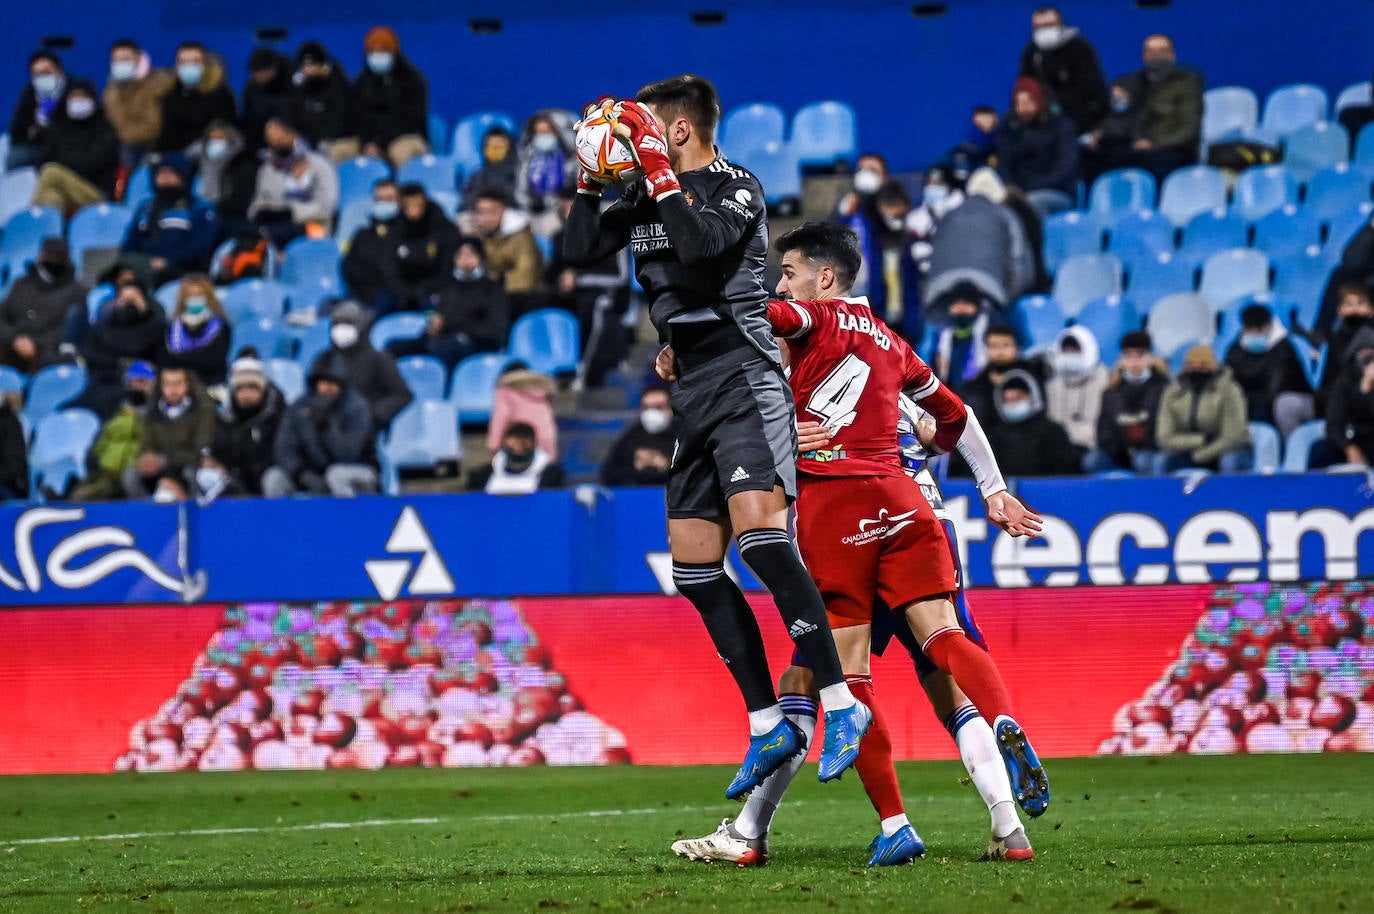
(1178, 834)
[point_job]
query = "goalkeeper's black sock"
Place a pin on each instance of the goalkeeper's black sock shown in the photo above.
(733, 629)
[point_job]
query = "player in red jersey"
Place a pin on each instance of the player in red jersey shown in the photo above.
(863, 526)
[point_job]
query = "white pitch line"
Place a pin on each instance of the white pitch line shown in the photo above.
(191, 832)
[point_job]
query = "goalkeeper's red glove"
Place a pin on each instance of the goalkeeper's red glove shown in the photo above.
(591, 108)
(651, 149)
(588, 184)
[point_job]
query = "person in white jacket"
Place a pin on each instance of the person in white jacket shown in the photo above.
(1073, 394)
(298, 189)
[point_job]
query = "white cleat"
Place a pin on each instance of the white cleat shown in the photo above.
(724, 844)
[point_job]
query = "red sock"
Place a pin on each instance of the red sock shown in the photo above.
(875, 755)
(972, 669)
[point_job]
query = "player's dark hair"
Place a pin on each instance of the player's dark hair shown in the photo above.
(829, 243)
(686, 96)
(1000, 330)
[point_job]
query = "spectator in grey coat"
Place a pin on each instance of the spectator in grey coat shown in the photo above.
(298, 189)
(326, 444)
(980, 242)
(371, 373)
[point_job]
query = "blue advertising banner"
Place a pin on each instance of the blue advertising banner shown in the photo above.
(1103, 532)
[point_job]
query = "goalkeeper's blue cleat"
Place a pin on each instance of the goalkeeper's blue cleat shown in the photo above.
(902, 846)
(1028, 779)
(766, 754)
(844, 730)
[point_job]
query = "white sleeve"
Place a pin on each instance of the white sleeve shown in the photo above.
(977, 452)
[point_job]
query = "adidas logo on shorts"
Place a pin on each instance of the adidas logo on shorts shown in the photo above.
(801, 627)
(739, 475)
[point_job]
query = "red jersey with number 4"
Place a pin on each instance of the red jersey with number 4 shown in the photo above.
(846, 369)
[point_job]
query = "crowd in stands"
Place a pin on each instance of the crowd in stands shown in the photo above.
(180, 352)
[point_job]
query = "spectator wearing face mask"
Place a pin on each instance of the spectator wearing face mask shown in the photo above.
(1267, 368)
(512, 253)
(519, 467)
(321, 103)
(1073, 394)
(642, 452)
(961, 348)
(14, 461)
(326, 443)
(297, 190)
(393, 100)
(120, 442)
(129, 329)
(1026, 441)
(133, 99)
(36, 315)
(80, 153)
(547, 166)
(228, 176)
(1202, 420)
(246, 430)
(267, 92)
(176, 428)
(371, 374)
(1350, 407)
(1037, 150)
(1169, 98)
(940, 193)
(1354, 312)
(199, 98)
(425, 242)
(175, 231)
(33, 112)
(1003, 354)
(1130, 410)
(1065, 62)
(198, 335)
(499, 172)
(870, 173)
(468, 312)
(524, 396)
(1111, 142)
(981, 242)
(369, 268)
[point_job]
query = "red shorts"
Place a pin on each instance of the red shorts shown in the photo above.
(867, 536)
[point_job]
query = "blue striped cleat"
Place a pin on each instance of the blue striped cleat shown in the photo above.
(844, 730)
(766, 754)
(1028, 779)
(902, 846)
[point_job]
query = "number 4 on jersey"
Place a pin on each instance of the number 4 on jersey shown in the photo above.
(834, 399)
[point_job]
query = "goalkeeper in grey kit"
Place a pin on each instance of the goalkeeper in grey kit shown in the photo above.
(696, 226)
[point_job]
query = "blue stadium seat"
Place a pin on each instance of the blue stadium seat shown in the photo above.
(1350, 96)
(1332, 191)
(1228, 110)
(61, 441)
(1178, 321)
(12, 380)
(1143, 233)
(423, 434)
(1039, 320)
(1364, 148)
(100, 226)
(264, 334)
(1070, 233)
(313, 293)
(1083, 277)
(52, 388)
(1297, 451)
(308, 259)
(287, 375)
(1212, 231)
(425, 375)
(403, 325)
(1124, 190)
(1260, 191)
(449, 201)
(1288, 232)
(1344, 227)
(1314, 147)
(1265, 440)
(1299, 281)
(250, 298)
(1192, 190)
(167, 294)
(139, 187)
(1153, 278)
(547, 340)
(308, 340)
(1108, 319)
(357, 175)
(353, 215)
(468, 133)
(16, 192)
(1290, 108)
(1233, 274)
(472, 389)
(1313, 359)
(27, 228)
(436, 173)
(824, 133)
(97, 298)
(778, 170)
(438, 133)
(750, 127)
